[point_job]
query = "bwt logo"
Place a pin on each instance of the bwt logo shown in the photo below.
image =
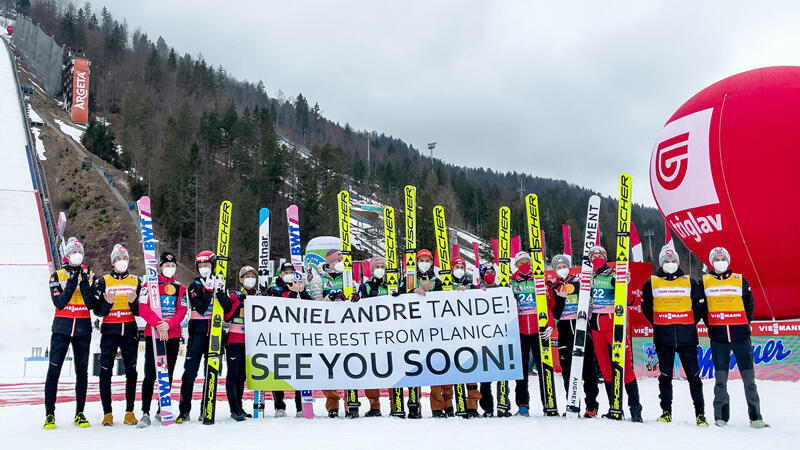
(672, 161)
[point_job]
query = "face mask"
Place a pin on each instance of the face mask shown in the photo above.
(720, 266)
(205, 271)
(459, 273)
(670, 267)
(562, 273)
(75, 259)
(249, 283)
(378, 273)
(598, 263)
(424, 266)
(525, 269)
(168, 272)
(288, 278)
(489, 278)
(121, 265)
(338, 267)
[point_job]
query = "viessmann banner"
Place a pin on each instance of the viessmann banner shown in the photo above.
(382, 342)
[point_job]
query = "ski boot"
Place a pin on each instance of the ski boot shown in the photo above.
(472, 414)
(183, 417)
(144, 422)
(523, 411)
(130, 418)
(333, 413)
(373, 413)
(439, 414)
(666, 417)
(108, 420)
(50, 422)
(80, 421)
(758, 423)
(701, 420)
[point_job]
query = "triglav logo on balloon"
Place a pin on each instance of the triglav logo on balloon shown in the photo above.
(672, 158)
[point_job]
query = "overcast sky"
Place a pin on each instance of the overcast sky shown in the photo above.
(568, 90)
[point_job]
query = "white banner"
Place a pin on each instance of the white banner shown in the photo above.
(382, 342)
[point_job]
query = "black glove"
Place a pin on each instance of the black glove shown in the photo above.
(355, 297)
(338, 297)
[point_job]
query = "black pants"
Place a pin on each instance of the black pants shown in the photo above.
(196, 350)
(530, 346)
(129, 347)
(150, 368)
(566, 342)
(235, 377)
(666, 363)
(721, 356)
(278, 397)
(487, 399)
(59, 344)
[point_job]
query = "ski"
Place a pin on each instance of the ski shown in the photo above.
(390, 243)
(215, 338)
(584, 308)
(411, 275)
(546, 378)
(264, 279)
(443, 250)
(620, 296)
(347, 279)
(504, 280)
(296, 255)
(154, 300)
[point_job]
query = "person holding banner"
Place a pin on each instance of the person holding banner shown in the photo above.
(602, 324)
(565, 292)
(670, 303)
(441, 396)
(168, 327)
(201, 299)
(287, 286)
(463, 281)
(375, 286)
(487, 279)
(728, 311)
(234, 345)
(117, 303)
(524, 288)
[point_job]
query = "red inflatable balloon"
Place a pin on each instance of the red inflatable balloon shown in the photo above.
(723, 174)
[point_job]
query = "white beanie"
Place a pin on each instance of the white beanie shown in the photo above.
(118, 250)
(718, 251)
(73, 244)
(522, 255)
(667, 252)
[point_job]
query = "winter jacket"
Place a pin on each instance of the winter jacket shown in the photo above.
(172, 296)
(675, 335)
(118, 318)
(201, 301)
(524, 291)
(729, 333)
(235, 316)
(373, 288)
(72, 293)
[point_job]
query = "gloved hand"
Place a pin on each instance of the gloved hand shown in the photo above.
(355, 297)
(208, 283)
(547, 332)
(338, 297)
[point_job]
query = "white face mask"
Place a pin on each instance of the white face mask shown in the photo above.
(339, 267)
(720, 266)
(76, 259)
(459, 273)
(249, 283)
(205, 271)
(168, 272)
(288, 278)
(670, 267)
(424, 266)
(562, 273)
(378, 273)
(121, 265)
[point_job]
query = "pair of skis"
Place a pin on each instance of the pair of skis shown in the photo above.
(392, 286)
(265, 275)
(347, 281)
(618, 350)
(410, 204)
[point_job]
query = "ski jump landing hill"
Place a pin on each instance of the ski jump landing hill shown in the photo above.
(24, 262)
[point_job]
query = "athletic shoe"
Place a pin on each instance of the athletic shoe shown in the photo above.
(333, 414)
(238, 416)
(108, 420)
(280, 413)
(183, 417)
(80, 421)
(666, 417)
(758, 424)
(373, 413)
(701, 420)
(523, 411)
(589, 414)
(472, 414)
(144, 422)
(50, 422)
(130, 418)
(720, 423)
(439, 414)
(298, 414)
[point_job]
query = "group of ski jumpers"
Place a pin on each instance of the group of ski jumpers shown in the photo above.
(671, 301)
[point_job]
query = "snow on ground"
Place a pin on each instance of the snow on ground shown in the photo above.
(39, 143)
(71, 130)
(33, 115)
(23, 428)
